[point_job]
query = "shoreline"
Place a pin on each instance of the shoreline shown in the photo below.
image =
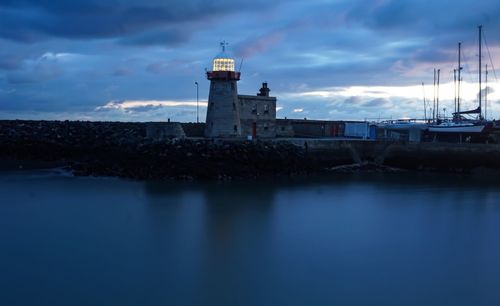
(124, 150)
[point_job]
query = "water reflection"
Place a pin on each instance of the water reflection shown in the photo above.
(224, 223)
(345, 239)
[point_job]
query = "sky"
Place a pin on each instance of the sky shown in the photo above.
(136, 60)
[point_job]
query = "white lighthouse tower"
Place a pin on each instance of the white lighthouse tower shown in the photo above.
(223, 113)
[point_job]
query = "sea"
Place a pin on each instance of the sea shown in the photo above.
(342, 239)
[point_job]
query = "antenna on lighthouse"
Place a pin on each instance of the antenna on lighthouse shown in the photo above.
(223, 45)
(241, 64)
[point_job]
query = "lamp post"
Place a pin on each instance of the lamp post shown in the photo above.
(197, 102)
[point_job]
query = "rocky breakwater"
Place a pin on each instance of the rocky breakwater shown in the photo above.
(123, 150)
(390, 156)
(443, 157)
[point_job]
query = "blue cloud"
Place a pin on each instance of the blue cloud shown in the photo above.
(145, 50)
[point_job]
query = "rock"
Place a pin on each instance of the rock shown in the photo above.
(122, 149)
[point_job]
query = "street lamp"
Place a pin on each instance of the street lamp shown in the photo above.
(197, 102)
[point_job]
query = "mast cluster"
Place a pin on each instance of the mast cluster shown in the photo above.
(480, 74)
(457, 79)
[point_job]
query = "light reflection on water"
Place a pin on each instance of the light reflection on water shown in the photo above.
(347, 240)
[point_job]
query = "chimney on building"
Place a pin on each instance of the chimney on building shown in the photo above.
(264, 91)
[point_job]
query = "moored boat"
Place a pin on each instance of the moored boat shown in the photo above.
(477, 129)
(458, 127)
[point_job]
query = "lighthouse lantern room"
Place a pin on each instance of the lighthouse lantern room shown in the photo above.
(223, 114)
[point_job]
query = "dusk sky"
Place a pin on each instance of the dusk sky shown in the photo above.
(138, 60)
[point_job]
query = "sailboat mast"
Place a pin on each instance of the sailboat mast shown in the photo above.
(434, 100)
(459, 77)
(480, 55)
(437, 99)
(455, 88)
(425, 107)
(486, 93)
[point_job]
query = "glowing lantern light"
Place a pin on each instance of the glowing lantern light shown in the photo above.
(223, 62)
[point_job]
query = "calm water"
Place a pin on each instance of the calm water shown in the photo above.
(371, 240)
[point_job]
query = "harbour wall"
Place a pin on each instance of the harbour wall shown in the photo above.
(146, 151)
(424, 156)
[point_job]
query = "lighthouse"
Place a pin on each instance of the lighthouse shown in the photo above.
(223, 111)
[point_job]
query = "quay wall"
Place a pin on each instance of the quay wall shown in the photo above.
(434, 156)
(125, 150)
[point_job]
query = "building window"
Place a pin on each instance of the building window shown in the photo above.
(235, 128)
(266, 108)
(234, 106)
(266, 127)
(254, 109)
(232, 85)
(212, 104)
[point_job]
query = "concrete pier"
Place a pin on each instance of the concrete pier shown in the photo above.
(128, 150)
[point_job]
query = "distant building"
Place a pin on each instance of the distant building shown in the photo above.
(232, 115)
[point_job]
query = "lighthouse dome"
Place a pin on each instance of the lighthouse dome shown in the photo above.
(223, 61)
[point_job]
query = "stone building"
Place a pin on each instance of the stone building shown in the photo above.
(231, 115)
(258, 114)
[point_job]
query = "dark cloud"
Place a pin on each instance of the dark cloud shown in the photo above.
(170, 37)
(144, 109)
(424, 17)
(379, 102)
(37, 72)
(158, 67)
(489, 90)
(10, 62)
(157, 49)
(433, 55)
(166, 67)
(253, 46)
(122, 71)
(486, 91)
(353, 100)
(30, 20)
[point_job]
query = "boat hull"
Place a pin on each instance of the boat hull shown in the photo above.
(457, 129)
